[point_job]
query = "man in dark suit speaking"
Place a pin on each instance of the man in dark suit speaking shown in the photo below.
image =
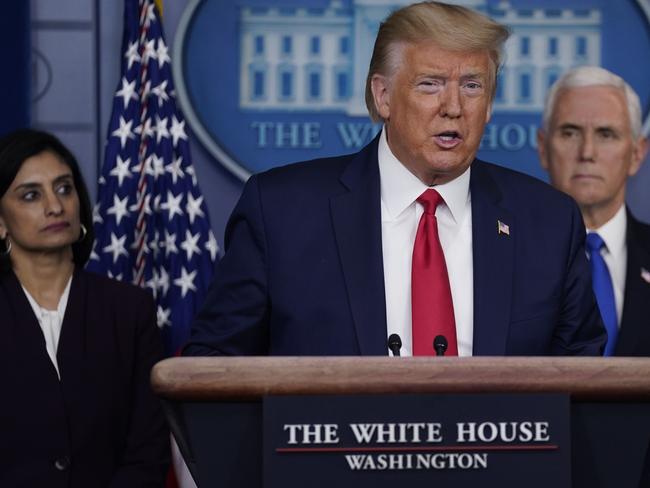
(411, 236)
(591, 142)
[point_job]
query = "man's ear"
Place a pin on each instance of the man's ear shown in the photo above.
(638, 155)
(381, 94)
(541, 148)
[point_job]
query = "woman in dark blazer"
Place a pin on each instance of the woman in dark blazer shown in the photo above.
(76, 348)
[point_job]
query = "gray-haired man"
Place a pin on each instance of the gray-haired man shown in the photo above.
(590, 143)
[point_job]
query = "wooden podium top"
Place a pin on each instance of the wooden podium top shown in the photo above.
(251, 378)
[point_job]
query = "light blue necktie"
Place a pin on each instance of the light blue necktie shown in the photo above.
(603, 289)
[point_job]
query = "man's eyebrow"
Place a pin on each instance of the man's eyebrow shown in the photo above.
(611, 127)
(569, 125)
(433, 73)
(478, 74)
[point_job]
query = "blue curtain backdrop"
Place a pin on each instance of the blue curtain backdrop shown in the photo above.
(15, 82)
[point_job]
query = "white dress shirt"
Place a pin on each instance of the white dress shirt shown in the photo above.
(400, 215)
(614, 253)
(51, 322)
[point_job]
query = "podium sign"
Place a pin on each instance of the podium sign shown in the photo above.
(417, 440)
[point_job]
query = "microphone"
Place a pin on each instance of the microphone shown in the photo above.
(440, 345)
(394, 344)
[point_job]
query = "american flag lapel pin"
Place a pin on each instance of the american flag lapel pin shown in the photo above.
(503, 228)
(645, 275)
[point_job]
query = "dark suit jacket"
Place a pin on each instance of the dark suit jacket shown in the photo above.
(101, 423)
(634, 335)
(303, 269)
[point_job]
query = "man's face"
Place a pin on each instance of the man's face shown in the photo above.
(589, 150)
(435, 107)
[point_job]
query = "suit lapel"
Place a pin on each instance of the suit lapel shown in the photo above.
(356, 216)
(71, 351)
(637, 292)
(25, 329)
(493, 253)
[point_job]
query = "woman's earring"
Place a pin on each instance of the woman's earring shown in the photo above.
(84, 231)
(7, 243)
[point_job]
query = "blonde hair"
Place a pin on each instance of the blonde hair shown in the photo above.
(452, 27)
(584, 76)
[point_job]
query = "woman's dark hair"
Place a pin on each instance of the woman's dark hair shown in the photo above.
(22, 144)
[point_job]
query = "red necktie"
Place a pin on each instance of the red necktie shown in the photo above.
(432, 307)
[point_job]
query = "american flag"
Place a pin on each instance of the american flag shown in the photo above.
(151, 221)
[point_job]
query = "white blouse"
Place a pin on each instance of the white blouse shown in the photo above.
(51, 322)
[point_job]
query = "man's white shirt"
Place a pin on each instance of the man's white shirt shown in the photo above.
(400, 215)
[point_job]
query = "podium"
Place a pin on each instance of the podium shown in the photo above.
(214, 405)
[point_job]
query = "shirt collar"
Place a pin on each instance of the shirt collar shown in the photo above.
(60, 309)
(613, 232)
(400, 188)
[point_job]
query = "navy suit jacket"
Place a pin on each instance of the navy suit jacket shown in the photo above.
(303, 269)
(634, 335)
(100, 425)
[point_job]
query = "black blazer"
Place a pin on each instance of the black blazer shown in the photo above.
(634, 335)
(100, 425)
